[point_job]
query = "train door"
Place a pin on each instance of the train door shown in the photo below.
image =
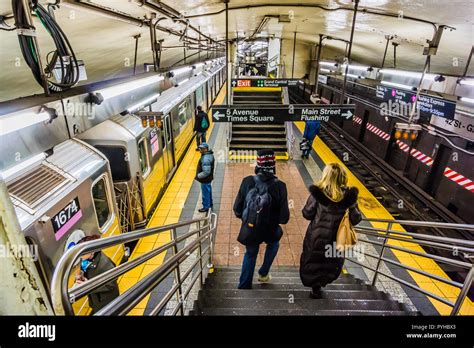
(209, 94)
(167, 139)
(437, 171)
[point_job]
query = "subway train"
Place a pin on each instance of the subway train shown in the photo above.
(91, 166)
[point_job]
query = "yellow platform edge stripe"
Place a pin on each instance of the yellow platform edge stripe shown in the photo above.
(256, 89)
(373, 209)
(165, 213)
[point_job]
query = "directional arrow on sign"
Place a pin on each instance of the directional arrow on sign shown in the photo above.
(217, 115)
(234, 83)
(347, 114)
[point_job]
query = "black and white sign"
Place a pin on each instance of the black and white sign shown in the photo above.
(281, 113)
(428, 105)
(66, 218)
(264, 82)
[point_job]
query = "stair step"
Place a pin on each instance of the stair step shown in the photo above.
(297, 293)
(283, 312)
(281, 279)
(257, 146)
(259, 132)
(258, 126)
(259, 140)
(232, 285)
(300, 304)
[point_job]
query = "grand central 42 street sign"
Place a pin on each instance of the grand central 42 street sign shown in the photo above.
(258, 114)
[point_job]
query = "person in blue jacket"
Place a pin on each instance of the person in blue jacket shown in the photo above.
(311, 130)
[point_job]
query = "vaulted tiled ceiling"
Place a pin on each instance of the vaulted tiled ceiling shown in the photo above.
(107, 45)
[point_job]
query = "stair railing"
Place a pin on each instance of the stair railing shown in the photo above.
(199, 240)
(383, 238)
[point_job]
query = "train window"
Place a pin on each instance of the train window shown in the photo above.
(101, 202)
(199, 97)
(182, 113)
(143, 158)
(117, 157)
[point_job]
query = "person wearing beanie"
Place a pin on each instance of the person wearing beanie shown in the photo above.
(205, 175)
(268, 196)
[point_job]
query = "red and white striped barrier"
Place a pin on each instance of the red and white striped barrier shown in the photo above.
(459, 179)
(415, 153)
(377, 131)
(357, 120)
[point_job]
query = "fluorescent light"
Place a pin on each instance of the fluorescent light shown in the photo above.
(10, 124)
(114, 91)
(406, 73)
(180, 83)
(22, 165)
(354, 76)
(143, 103)
(198, 65)
(356, 67)
(328, 63)
(467, 100)
(181, 70)
(397, 85)
(325, 70)
(466, 82)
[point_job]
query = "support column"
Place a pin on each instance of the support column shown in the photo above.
(294, 51)
(354, 16)
(21, 289)
(273, 64)
(227, 55)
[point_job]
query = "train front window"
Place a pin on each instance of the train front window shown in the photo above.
(101, 202)
(143, 158)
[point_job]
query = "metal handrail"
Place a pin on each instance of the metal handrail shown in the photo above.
(62, 297)
(455, 245)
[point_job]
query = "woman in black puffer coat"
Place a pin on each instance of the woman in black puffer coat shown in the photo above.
(328, 201)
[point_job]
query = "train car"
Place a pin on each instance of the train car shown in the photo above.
(60, 198)
(128, 147)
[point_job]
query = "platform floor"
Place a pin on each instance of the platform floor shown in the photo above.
(182, 200)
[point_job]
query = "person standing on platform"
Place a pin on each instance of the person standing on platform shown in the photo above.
(262, 205)
(92, 265)
(311, 130)
(201, 125)
(326, 206)
(205, 175)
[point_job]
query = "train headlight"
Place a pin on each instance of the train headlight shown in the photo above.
(144, 122)
(398, 134)
(406, 135)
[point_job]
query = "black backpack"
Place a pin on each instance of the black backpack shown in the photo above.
(258, 203)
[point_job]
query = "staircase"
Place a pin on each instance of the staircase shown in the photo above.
(285, 295)
(247, 138)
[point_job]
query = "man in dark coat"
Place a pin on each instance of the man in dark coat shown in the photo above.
(201, 125)
(319, 264)
(205, 175)
(272, 233)
(92, 265)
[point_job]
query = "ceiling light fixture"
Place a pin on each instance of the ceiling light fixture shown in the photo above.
(13, 123)
(404, 73)
(143, 103)
(398, 85)
(115, 91)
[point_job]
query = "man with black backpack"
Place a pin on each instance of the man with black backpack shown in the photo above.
(262, 205)
(201, 125)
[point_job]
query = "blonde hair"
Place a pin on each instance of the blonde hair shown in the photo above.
(333, 181)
